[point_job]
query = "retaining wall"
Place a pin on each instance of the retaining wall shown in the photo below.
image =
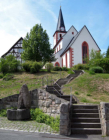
(49, 103)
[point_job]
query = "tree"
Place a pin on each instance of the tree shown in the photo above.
(9, 64)
(36, 46)
(107, 52)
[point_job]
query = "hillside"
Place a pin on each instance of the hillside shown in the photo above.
(90, 88)
(33, 81)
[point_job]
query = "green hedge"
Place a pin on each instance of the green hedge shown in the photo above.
(81, 67)
(57, 68)
(96, 69)
(32, 66)
(49, 67)
(104, 63)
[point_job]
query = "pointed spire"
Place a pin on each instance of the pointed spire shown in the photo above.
(60, 21)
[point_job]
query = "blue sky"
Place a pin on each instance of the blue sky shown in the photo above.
(17, 17)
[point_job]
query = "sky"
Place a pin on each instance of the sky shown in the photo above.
(17, 17)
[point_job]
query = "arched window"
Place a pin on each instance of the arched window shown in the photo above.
(57, 64)
(85, 52)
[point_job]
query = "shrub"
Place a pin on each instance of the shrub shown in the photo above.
(57, 68)
(1, 76)
(8, 77)
(76, 92)
(33, 67)
(64, 69)
(39, 116)
(104, 63)
(3, 113)
(70, 71)
(78, 67)
(27, 66)
(9, 64)
(92, 72)
(96, 69)
(88, 94)
(49, 66)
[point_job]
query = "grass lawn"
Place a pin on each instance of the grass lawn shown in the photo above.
(90, 88)
(33, 81)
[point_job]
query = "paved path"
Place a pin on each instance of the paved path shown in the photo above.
(31, 130)
(12, 135)
(25, 126)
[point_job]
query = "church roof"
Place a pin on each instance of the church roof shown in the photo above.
(60, 21)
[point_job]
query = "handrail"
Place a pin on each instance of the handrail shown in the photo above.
(57, 91)
(57, 84)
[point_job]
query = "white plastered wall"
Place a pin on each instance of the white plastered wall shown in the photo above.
(77, 45)
(68, 36)
(68, 59)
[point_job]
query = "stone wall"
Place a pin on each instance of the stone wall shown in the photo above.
(49, 103)
(104, 115)
(65, 126)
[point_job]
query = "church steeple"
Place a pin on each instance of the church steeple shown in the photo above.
(60, 30)
(60, 24)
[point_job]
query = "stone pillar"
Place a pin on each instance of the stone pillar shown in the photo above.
(104, 115)
(65, 128)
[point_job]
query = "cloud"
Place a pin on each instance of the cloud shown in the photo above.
(47, 5)
(16, 20)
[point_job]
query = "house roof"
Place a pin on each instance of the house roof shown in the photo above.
(11, 47)
(60, 21)
(74, 39)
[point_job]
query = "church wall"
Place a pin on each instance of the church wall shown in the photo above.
(77, 45)
(67, 38)
(68, 59)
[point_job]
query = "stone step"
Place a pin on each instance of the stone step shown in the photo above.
(86, 131)
(84, 115)
(79, 119)
(85, 125)
(52, 87)
(85, 106)
(85, 111)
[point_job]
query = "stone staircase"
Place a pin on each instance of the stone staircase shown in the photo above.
(85, 119)
(56, 88)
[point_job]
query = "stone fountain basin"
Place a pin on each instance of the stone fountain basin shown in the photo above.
(19, 114)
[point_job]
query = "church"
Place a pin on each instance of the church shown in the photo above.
(72, 47)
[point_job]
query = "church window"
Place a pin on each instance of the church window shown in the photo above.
(60, 35)
(72, 33)
(84, 51)
(57, 64)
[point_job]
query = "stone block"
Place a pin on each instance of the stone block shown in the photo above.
(49, 110)
(35, 103)
(64, 123)
(64, 108)
(41, 97)
(19, 114)
(13, 104)
(66, 132)
(48, 103)
(57, 101)
(64, 116)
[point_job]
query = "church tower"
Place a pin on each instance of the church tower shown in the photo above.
(60, 30)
